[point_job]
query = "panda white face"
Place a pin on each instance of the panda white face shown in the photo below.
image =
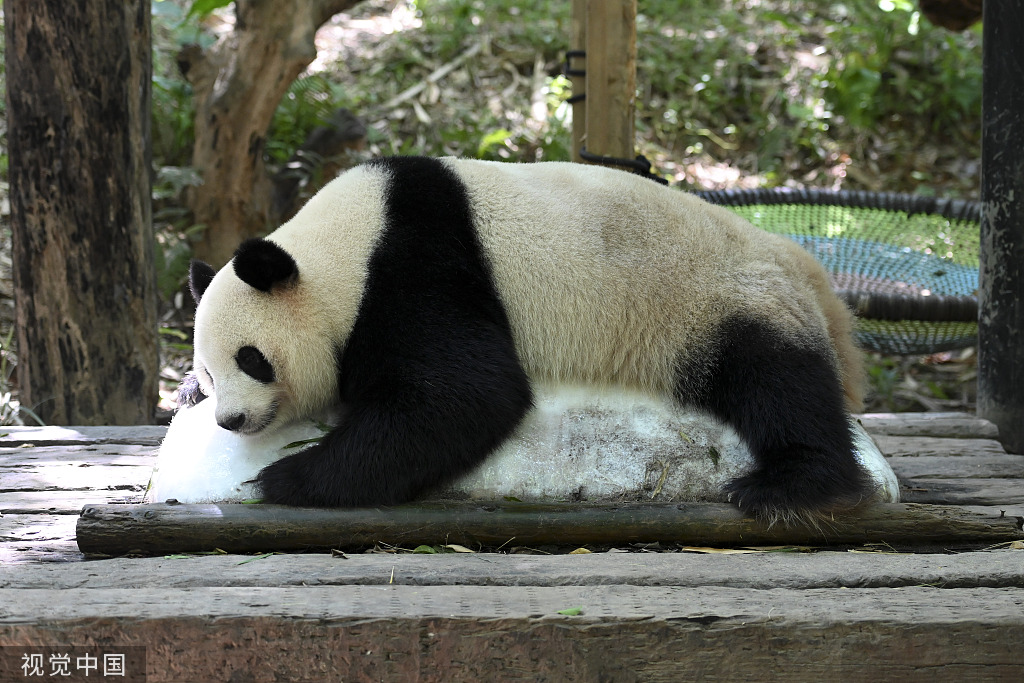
(257, 347)
(247, 401)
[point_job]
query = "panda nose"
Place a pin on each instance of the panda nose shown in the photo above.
(232, 423)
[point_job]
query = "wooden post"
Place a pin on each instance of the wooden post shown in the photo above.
(576, 65)
(1001, 291)
(611, 77)
(78, 106)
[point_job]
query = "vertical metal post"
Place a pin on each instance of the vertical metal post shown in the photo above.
(1001, 295)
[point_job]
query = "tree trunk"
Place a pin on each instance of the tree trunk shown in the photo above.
(78, 90)
(238, 83)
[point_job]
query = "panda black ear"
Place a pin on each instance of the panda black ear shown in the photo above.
(262, 264)
(199, 277)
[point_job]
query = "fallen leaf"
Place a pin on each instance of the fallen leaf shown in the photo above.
(458, 548)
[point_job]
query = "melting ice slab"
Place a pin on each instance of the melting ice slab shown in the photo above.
(575, 445)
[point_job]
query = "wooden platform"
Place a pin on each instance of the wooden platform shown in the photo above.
(952, 611)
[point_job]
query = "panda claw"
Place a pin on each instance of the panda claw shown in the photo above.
(798, 492)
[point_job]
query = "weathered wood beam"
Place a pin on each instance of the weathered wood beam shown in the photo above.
(168, 528)
(575, 66)
(1001, 284)
(611, 77)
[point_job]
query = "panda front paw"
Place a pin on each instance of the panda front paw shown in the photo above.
(316, 478)
(284, 483)
(189, 392)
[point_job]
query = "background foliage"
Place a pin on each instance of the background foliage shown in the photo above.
(861, 94)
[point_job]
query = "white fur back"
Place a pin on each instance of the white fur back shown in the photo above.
(609, 277)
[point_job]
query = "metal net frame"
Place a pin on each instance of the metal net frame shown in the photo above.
(906, 265)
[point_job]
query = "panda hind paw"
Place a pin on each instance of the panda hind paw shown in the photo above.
(798, 495)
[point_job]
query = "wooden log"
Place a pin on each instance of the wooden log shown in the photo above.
(170, 528)
(611, 77)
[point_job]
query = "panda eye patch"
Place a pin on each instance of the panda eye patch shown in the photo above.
(253, 363)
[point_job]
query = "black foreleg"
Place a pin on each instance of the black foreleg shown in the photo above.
(409, 426)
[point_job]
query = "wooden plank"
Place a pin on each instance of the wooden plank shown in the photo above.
(99, 454)
(161, 528)
(37, 538)
(958, 467)
(931, 446)
(953, 425)
(64, 502)
(149, 435)
(761, 570)
(990, 492)
(72, 476)
(477, 633)
(611, 77)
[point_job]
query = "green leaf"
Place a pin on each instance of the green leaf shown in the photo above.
(258, 557)
(173, 332)
(572, 611)
(203, 8)
(302, 442)
(493, 139)
(425, 550)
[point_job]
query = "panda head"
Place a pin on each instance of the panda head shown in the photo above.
(258, 343)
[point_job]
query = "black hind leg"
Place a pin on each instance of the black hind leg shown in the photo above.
(786, 401)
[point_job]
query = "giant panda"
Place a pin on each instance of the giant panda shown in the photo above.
(427, 298)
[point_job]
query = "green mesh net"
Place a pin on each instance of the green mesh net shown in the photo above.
(907, 265)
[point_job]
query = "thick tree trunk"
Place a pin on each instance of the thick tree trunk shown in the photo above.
(238, 83)
(78, 89)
